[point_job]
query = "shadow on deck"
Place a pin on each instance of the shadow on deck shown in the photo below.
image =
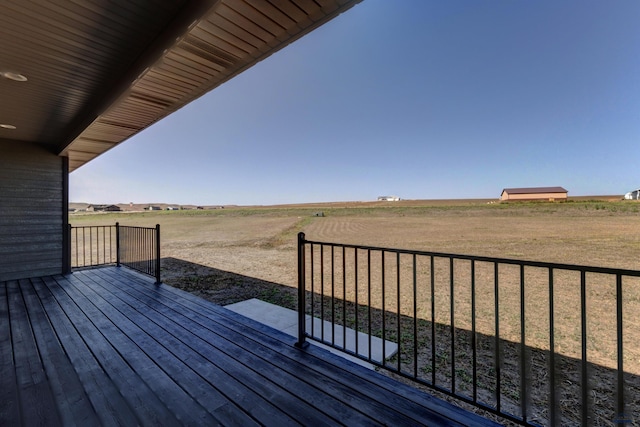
(600, 394)
(107, 347)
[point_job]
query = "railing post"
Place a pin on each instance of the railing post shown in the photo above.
(157, 254)
(302, 333)
(67, 247)
(118, 244)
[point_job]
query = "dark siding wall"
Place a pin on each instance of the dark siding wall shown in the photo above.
(31, 216)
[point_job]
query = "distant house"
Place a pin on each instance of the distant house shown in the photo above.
(103, 208)
(534, 193)
(388, 198)
(633, 195)
(173, 208)
(153, 208)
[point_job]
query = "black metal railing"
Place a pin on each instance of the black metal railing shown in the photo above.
(93, 245)
(139, 249)
(537, 343)
(135, 247)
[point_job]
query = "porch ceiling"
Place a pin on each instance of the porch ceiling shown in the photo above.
(99, 72)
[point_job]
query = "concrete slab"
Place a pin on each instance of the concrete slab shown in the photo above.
(286, 320)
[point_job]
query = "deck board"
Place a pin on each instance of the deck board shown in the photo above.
(145, 357)
(9, 408)
(72, 400)
(110, 347)
(109, 404)
(186, 372)
(33, 388)
(103, 344)
(256, 359)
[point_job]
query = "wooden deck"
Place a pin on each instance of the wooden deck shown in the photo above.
(108, 347)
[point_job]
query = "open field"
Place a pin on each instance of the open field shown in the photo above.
(231, 254)
(260, 241)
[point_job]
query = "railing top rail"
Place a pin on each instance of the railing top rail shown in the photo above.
(137, 227)
(111, 226)
(558, 266)
(93, 226)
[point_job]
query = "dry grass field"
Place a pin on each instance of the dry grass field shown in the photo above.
(231, 254)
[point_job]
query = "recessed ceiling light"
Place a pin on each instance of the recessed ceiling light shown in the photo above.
(14, 76)
(6, 126)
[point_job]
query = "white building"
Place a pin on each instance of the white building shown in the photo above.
(388, 198)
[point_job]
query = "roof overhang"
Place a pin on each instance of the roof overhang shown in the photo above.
(100, 72)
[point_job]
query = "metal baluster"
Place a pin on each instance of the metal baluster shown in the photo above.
(344, 298)
(433, 322)
(333, 297)
(497, 352)
(583, 333)
(523, 359)
(322, 292)
(312, 291)
(620, 406)
(398, 318)
(415, 319)
(452, 326)
(474, 339)
(553, 415)
(90, 245)
(355, 281)
(384, 314)
(369, 298)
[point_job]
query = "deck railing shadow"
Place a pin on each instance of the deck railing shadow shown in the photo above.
(431, 366)
(433, 363)
(224, 287)
(535, 343)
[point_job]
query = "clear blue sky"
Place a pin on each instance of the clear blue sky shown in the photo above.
(424, 99)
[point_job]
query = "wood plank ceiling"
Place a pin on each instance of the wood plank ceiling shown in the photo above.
(99, 72)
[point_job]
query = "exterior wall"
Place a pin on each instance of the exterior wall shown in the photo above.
(534, 196)
(32, 212)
